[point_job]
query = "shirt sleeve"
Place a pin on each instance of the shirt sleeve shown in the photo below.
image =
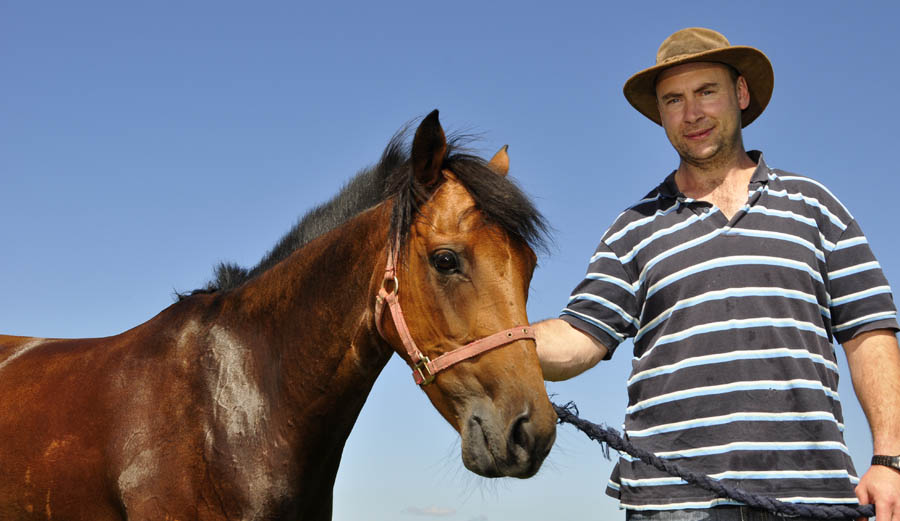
(604, 304)
(861, 298)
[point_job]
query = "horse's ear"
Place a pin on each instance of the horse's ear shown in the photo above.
(500, 162)
(428, 149)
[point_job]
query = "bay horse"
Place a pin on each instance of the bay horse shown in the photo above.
(235, 402)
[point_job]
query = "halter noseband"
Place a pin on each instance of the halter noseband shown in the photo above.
(424, 369)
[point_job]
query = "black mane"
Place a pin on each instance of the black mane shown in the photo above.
(498, 198)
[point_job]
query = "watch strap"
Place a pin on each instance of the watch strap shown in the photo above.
(887, 461)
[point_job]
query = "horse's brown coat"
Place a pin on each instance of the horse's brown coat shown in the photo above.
(237, 404)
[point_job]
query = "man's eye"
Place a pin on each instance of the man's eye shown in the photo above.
(445, 261)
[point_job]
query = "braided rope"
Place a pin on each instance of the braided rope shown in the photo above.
(610, 438)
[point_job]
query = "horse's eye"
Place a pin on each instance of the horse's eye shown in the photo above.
(445, 261)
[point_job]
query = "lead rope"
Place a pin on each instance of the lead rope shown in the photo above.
(610, 438)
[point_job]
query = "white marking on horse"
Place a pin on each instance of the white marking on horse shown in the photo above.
(239, 404)
(240, 408)
(187, 334)
(22, 349)
(141, 453)
(139, 470)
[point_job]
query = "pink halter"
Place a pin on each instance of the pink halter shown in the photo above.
(425, 369)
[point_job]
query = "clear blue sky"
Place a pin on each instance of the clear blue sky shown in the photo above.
(141, 144)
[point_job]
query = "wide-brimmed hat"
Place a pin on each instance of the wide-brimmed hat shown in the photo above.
(696, 44)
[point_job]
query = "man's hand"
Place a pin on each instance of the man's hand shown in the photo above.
(880, 486)
(874, 360)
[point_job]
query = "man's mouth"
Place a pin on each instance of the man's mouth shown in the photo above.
(698, 134)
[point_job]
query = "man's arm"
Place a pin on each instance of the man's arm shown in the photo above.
(564, 351)
(874, 360)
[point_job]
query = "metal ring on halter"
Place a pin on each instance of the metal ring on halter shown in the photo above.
(395, 280)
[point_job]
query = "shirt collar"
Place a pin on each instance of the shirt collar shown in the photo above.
(761, 174)
(669, 189)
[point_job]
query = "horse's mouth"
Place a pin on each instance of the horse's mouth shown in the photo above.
(493, 447)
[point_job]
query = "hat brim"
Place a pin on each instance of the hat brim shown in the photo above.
(752, 64)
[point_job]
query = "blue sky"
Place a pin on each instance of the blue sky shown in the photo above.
(141, 144)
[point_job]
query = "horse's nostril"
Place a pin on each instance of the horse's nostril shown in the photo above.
(520, 435)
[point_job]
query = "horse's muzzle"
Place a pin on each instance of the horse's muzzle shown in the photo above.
(497, 445)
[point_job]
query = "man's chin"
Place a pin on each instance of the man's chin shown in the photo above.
(700, 156)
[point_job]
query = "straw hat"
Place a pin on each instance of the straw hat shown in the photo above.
(697, 44)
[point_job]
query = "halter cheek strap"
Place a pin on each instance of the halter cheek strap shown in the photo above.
(425, 369)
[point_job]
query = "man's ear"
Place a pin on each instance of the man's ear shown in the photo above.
(743, 93)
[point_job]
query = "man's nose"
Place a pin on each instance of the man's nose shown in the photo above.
(693, 110)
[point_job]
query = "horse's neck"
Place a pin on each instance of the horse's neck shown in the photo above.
(309, 319)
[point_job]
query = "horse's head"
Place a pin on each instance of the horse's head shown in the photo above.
(463, 273)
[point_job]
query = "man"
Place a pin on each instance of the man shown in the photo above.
(733, 279)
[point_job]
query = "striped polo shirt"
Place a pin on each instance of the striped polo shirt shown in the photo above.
(734, 371)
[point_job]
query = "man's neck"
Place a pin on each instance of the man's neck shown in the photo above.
(699, 180)
(725, 186)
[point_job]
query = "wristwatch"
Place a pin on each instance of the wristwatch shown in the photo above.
(887, 461)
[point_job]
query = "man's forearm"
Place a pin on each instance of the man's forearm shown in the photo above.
(564, 351)
(874, 360)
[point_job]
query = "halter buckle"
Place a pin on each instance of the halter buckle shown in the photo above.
(424, 376)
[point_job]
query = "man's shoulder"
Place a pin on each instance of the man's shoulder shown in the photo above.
(785, 179)
(807, 189)
(641, 212)
(798, 182)
(645, 206)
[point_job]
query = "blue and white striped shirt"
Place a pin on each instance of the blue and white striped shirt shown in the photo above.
(734, 371)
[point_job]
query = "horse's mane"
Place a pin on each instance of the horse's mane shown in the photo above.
(496, 196)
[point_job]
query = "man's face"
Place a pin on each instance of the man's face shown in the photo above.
(700, 109)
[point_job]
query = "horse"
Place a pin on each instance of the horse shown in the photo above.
(235, 402)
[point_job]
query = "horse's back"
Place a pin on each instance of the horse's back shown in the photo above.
(13, 346)
(100, 428)
(49, 365)
(51, 429)
(77, 417)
